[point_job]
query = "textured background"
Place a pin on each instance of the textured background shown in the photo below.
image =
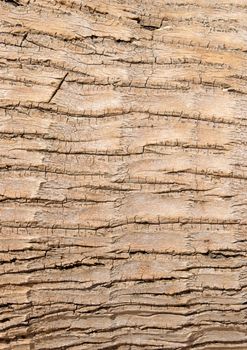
(123, 168)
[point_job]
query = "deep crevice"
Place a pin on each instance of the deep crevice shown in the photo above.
(13, 2)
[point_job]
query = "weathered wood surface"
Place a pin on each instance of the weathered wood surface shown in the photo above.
(123, 174)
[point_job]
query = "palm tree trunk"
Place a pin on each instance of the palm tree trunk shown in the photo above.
(123, 174)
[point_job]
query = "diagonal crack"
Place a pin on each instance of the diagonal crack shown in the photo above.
(58, 87)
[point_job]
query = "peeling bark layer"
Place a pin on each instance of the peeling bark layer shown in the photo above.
(123, 174)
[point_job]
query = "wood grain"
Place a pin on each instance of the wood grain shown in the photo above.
(123, 169)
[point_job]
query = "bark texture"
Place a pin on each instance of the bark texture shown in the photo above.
(123, 174)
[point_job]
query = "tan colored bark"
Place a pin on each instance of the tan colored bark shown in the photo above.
(123, 174)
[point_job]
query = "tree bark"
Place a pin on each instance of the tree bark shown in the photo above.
(123, 169)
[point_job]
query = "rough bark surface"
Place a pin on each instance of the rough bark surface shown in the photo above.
(123, 174)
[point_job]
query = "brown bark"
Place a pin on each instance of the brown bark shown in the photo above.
(123, 174)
